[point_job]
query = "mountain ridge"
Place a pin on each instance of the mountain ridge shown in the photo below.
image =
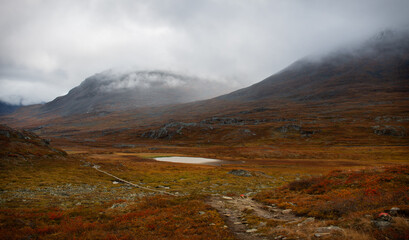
(110, 91)
(356, 86)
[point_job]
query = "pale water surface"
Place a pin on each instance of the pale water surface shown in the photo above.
(191, 160)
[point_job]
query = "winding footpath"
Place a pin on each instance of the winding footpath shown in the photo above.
(234, 210)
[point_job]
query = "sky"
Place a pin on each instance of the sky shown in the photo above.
(47, 47)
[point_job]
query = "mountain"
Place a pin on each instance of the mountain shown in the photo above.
(6, 108)
(380, 66)
(358, 93)
(110, 91)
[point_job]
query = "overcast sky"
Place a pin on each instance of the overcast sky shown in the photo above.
(49, 47)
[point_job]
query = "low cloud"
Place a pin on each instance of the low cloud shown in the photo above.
(50, 46)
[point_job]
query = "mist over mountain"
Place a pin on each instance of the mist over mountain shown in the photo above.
(374, 73)
(111, 91)
(379, 65)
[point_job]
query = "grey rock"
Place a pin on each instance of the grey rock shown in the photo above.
(387, 130)
(394, 211)
(287, 211)
(288, 127)
(381, 223)
(318, 235)
(308, 220)
(124, 145)
(240, 172)
(327, 229)
(119, 205)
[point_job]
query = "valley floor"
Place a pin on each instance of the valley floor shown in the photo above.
(67, 198)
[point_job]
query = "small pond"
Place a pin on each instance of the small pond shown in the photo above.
(194, 160)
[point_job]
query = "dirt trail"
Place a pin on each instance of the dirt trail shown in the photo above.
(234, 210)
(97, 167)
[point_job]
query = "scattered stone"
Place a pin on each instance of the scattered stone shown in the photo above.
(383, 220)
(115, 182)
(308, 220)
(386, 130)
(251, 230)
(238, 223)
(394, 211)
(318, 235)
(227, 198)
(119, 205)
(201, 212)
(240, 172)
(212, 224)
(381, 224)
(262, 224)
(327, 229)
(288, 127)
(169, 130)
(287, 211)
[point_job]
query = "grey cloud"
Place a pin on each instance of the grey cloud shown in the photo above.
(53, 45)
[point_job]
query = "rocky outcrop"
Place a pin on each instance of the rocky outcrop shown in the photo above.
(169, 130)
(24, 144)
(240, 122)
(124, 145)
(288, 128)
(240, 172)
(391, 119)
(172, 129)
(387, 130)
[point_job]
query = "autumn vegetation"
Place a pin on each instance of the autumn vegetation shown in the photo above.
(350, 199)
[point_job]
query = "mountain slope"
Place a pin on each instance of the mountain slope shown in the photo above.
(6, 108)
(380, 65)
(109, 91)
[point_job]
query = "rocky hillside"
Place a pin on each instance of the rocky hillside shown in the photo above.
(6, 108)
(23, 145)
(109, 91)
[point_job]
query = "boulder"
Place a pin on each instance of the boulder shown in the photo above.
(240, 172)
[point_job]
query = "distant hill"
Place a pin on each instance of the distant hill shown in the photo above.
(6, 108)
(109, 91)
